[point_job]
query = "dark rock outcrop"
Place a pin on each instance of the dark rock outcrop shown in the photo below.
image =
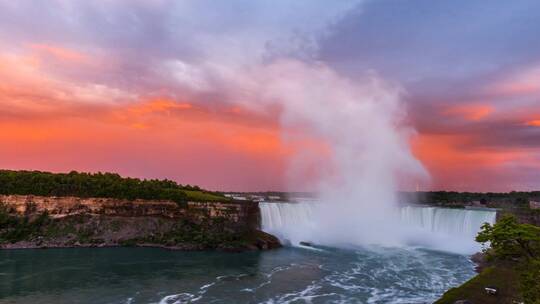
(45, 222)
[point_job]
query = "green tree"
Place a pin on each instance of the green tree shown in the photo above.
(94, 185)
(530, 283)
(511, 240)
(518, 244)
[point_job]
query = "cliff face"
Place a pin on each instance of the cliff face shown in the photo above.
(241, 215)
(524, 216)
(70, 221)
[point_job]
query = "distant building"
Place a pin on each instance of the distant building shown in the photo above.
(239, 198)
(274, 197)
(534, 205)
(480, 203)
(257, 198)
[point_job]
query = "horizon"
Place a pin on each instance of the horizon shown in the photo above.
(276, 191)
(164, 90)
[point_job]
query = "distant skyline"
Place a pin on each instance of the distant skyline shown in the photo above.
(151, 89)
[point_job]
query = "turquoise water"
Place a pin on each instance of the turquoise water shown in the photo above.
(288, 275)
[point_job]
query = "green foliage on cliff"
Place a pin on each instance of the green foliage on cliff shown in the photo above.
(206, 234)
(530, 282)
(513, 251)
(504, 278)
(39, 230)
(108, 185)
(510, 240)
(519, 246)
(203, 196)
(18, 228)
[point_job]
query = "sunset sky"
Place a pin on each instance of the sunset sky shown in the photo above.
(157, 89)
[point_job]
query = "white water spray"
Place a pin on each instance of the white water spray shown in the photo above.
(445, 229)
(361, 125)
(358, 123)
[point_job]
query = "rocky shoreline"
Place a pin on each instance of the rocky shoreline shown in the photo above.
(64, 222)
(267, 243)
(479, 259)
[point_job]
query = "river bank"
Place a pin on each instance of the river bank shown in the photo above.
(501, 277)
(58, 222)
(509, 266)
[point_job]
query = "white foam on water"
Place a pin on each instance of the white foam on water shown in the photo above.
(176, 298)
(369, 275)
(451, 230)
(186, 297)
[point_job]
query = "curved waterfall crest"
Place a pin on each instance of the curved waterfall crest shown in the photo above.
(432, 227)
(465, 222)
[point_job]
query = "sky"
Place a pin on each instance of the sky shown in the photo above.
(172, 89)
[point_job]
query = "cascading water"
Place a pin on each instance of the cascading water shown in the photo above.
(292, 223)
(464, 222)
(445, 229)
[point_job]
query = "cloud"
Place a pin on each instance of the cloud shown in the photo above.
(523, 82)
(469, 77)
(533, 123)
(136, 36)
(60, 53)
(470, 111)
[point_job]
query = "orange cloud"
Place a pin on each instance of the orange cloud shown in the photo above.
(61, 53)
(213, 147)
(454, 164)
(205, 150)
(52, 123)
(159, 105)
(447, 151)
(473, 112)
(28, 89)
(533, 123)
(521, 83)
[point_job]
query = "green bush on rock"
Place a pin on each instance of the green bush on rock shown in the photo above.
(15, 228)
(517, 245)
(513, 254)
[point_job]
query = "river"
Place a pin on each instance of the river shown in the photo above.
(293, 274)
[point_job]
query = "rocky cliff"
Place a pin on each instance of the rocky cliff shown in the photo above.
(524, 216)
(36, 221)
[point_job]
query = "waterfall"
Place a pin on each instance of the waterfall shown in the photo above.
(432, 227)
(464, 222)
(276, 216)
(291, 222)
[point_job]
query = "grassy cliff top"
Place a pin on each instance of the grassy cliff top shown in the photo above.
(109, 185)
(504, 278)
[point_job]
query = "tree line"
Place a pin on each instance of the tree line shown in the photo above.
(500, 200)
(110, 185)
(517, 245)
